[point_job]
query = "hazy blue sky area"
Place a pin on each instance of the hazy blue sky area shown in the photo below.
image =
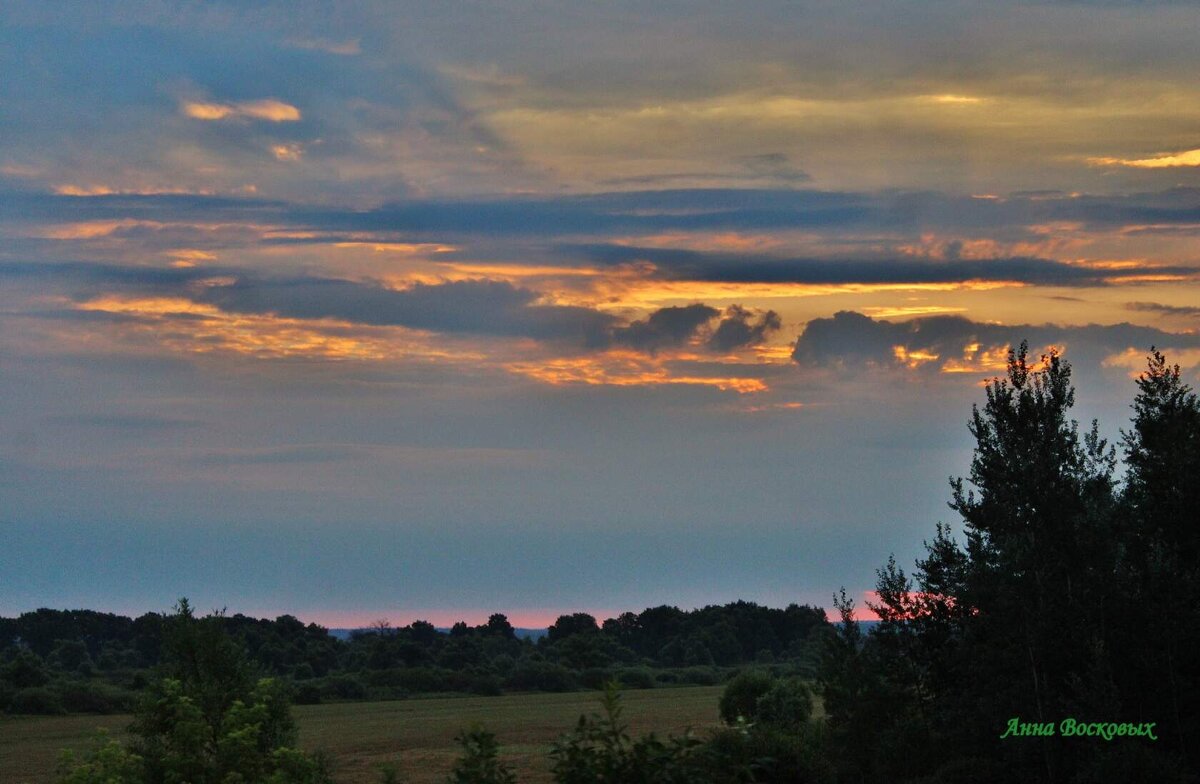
(432, 310)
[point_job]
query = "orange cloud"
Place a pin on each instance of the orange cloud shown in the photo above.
(1134, 359)
(976, 359)
(624, 369)
(197, 328)
(904, 311)
(1163, 161)
(791, 405)
(269, 109)
(287, 152)
(915, 358)
(990, 360)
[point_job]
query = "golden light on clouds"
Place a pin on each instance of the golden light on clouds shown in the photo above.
(950, 98)
(910, 311)
(1133, 360)
(913, 358)
(623, 369)
(617, 293)
(287, 152)
(978, 359)
(268, 109)
(197, 328)
(1164, 161)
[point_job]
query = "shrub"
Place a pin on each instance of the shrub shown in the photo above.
(36, 700)
(307, 693)
(636, 678)
(595, 677)
(701, 676)
(108, 763)
(541, 676)
(485, 685)
(787, 704)
(599, 751)
(480, 762)
(740, 697)
(93, 697)
(343, 687)
(771, 755)
(25, 670)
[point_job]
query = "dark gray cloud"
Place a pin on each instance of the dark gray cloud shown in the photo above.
(133, 424)
(1165, 310)
(470, 306)
(665, 327)
(681, 209)
(479, 307)
(728, 268)
(848, 338)
(739, 328)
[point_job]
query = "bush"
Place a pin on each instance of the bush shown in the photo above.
(595, 677)
(93, 697)
(636, 678)
(343, 687)
(787, 704)
(25, 670)
(36, 700)
(774, 755)
(480, 762)
(740, 697)
(108, 763)
(485, 685)
(701, 676)
(307, 693)
(599, 751)
(541, 676)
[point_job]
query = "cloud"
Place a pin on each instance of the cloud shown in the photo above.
(1164, 310)
(680, 325)
(674, 264)
(834, 215)
(135, 424)
(1164, 161)
(123, 294)
(666, 327)
(954, 344)
(469, 306)
(773, 165)
(346, 47)
(269, 109)
(738, 329)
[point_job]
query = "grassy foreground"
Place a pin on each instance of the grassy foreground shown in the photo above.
(416, 735)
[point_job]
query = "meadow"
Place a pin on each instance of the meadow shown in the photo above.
(416, 735)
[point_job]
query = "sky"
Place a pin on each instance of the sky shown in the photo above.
(431, 310)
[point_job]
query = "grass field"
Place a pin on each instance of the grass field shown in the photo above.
(416, 735)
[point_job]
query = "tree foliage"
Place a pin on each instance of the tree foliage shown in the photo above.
(207, 721)
(1045, 610)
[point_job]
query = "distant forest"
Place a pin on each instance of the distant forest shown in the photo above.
(55, 661)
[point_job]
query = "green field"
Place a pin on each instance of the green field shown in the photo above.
(417, 735)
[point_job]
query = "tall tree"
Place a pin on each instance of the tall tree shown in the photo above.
(1013, 623)
(1160, 575)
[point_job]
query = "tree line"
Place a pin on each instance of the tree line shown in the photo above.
(54, 661)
